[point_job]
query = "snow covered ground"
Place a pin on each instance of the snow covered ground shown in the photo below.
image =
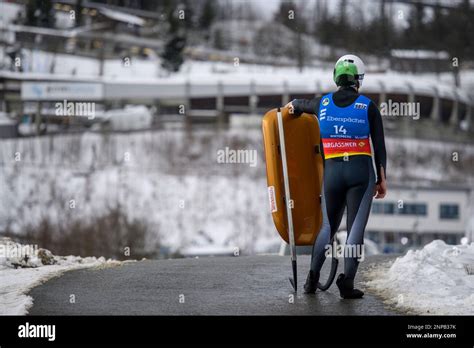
(438, 279)
(22, 267)
(172, 181)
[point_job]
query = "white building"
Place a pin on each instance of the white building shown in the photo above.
(409, 217)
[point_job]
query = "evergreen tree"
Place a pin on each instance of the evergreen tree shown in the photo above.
(286, 14)
(208, 15)
(173, 53)
(78, 13)
(437, 29)
(189, 8)
(172, 56)
(46, 18)
(39, 13)
(31, 12)
(414, 34)
(219, 40)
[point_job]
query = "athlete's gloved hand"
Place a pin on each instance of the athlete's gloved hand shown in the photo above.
(381, 187)
(291, 109)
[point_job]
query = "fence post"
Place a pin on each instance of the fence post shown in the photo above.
(38, 118)
(187, 103)
(454, 117)
(435, 110)
(253, 99)
(220, 103)
(285, 98)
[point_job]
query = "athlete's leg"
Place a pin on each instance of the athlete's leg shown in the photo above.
(359, 200)
(333, 204)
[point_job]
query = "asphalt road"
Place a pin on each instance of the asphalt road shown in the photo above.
(245, 285)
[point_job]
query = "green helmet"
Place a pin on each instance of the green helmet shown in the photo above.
(349, 70)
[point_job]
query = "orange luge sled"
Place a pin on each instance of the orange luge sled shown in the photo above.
(305, 174)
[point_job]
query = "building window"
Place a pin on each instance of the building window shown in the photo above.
(449, 211)
(413, 209)
(374, 236)
(377, 208)
(389, 237)
(387, 208)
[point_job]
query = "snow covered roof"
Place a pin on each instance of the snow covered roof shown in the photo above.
(5, 120)
(42, 31)
(419, 54)
(9, 12)
(122, 17)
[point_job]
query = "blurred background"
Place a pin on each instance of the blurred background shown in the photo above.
(112, 115)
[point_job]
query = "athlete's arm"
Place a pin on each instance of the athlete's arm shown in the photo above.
(380, 154)
(299, 106)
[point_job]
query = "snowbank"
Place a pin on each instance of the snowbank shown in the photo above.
(22, 267)
(438, 279)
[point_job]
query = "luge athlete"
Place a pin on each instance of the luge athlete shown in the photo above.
(347, 121)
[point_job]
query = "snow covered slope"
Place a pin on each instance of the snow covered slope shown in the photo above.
(172, 181)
